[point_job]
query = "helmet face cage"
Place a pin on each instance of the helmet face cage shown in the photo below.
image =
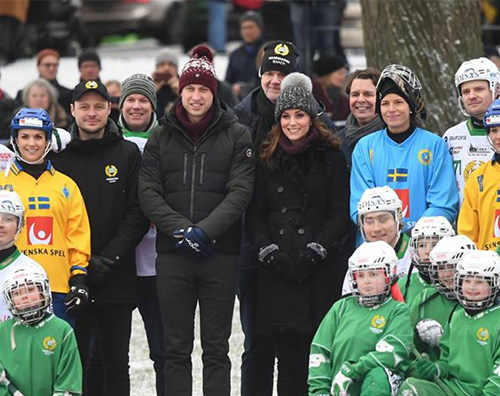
(408, 83)
(442, 273)
(373, 256)
(444, 259)
(481, 69)
(27, 295)
(477, 304)
(373, 299)
(425, 235)
(478, 265)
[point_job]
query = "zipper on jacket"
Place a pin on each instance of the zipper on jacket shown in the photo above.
(203, 155)
(193, 178)
(184, 175)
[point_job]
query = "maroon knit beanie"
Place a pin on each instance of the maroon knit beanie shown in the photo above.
(199, 70)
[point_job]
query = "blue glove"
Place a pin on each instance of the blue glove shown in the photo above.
(195, 241)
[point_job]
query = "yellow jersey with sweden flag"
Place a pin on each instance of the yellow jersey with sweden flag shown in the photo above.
(479, 217)
(56, 232)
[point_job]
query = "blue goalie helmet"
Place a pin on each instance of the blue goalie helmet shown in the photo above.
(28, 118)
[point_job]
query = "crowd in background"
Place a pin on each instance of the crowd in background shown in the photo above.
(180, 189)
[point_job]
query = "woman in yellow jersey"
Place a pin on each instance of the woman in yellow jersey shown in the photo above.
(57, 230)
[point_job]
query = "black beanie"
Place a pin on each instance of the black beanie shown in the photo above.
(327, 64)
(280, 56)
(89, 55)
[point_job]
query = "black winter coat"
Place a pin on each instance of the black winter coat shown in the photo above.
(208, 184)
(106, 171)
(300, 199)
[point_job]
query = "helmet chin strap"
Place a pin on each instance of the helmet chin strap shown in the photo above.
(20, 158)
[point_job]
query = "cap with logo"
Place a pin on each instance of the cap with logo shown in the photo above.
(279, 56)
(89, 86)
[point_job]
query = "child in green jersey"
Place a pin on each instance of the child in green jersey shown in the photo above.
(469, 363)
(363, 340)
(39, 352)
(424, 236)
(432, 308)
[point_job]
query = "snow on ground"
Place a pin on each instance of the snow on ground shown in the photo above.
(119, 62)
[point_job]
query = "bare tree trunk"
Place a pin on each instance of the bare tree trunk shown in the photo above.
(431, 37)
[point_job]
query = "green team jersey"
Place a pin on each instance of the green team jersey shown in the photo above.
(417, 284)
(470, 350)
(368, 336)
(40, 360)
(430, 304)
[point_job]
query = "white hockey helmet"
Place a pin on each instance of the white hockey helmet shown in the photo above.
(444, 258)
(377, 255)
(481, 265)
(10, 203)
(380, 199)
(426, 230)
(36, 301)
(479, 69)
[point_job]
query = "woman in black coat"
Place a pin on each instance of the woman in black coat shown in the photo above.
(300, 210)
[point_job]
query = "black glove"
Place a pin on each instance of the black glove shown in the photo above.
(306, 261)
(195, 241)
(100, 271)
(78, 295)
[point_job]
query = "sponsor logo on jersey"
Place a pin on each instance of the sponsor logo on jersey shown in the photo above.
(425, 156)
(39, 230)
(484, 150)
(498, 195)
(496, 224)
(459, 137)
(397, 175)
(38, 203)
(454, 150)
(471, 167)
(378, 323)
(483, 336)
(49, 344)
(371, 156)
(404, 196)
(111, 173)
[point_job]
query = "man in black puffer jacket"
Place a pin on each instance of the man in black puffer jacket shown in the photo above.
(195, 183)
(105, 167)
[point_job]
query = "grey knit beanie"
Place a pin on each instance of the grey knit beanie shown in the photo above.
(139, 84)
(166, 55)
(296, 93)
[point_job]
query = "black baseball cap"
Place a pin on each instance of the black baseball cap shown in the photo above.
(90, 86)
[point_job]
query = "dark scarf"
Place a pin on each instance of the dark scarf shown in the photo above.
(265, 109)
(354, 132)
(298, 146)
(195, 131)
(401, 137)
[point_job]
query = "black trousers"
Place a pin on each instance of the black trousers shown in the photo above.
(292, 351)
(183, 282)
(110, 325)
